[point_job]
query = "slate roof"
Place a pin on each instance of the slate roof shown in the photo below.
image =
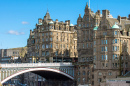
(112, 21)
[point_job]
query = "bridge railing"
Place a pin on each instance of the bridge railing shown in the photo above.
(34, 64)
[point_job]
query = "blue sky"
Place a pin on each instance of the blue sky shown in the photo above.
(17, 17)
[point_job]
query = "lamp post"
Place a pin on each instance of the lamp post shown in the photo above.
(62, 57)
(56, 56)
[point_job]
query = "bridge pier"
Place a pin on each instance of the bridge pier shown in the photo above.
(0, 75)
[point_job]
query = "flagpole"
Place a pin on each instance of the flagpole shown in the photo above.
(89, 3)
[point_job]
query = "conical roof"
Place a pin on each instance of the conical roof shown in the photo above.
(51, 22)
(71, 25)
(115, 26)
(48, 15)
(95, 28)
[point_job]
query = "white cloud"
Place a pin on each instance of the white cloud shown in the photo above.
(23, 22)
(15, 32)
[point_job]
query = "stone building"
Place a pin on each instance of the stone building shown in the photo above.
(52, 41)
(8, 55)
(103, 41)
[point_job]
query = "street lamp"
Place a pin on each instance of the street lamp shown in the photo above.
(62, 57)
(56, 56)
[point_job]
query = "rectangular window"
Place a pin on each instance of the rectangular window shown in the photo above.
(106, 41)
(50, 39)
(94, 49)
(102, 49)
(43, 53)
(115, 32)
(106, 57)
(57, 38)
(91, 45)
(61, 46)
(87, 45)
(113, 57)
(106, 49)
(87, 25)
(94, 57)
(56, 45)
(112, 48)
(47, 53)
(102, 57)
(99, 80)
(83, 45)
(115, 40)
(94, 42)
(51, 45)
(42, 34)
(47, 46)
(115, 48)
(91, 25)
(43, 46)
(101, 41)
(46, 39)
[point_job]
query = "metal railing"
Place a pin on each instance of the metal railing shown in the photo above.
(35, 65)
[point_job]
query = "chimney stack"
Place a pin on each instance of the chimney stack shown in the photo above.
(129, 17)
(105, 13)
(119, 19)
(98, 12)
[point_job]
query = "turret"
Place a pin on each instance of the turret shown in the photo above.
(47, 17)
(56, 21)
(71, 27)
(79, 18)
(87, 9)
(30, 32)
(67, 22)
(39, 20)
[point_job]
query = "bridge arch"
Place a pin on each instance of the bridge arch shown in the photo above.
(36, 69)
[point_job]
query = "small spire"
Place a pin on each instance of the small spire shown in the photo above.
(79, 15)
(87, 4)
(47, 10)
